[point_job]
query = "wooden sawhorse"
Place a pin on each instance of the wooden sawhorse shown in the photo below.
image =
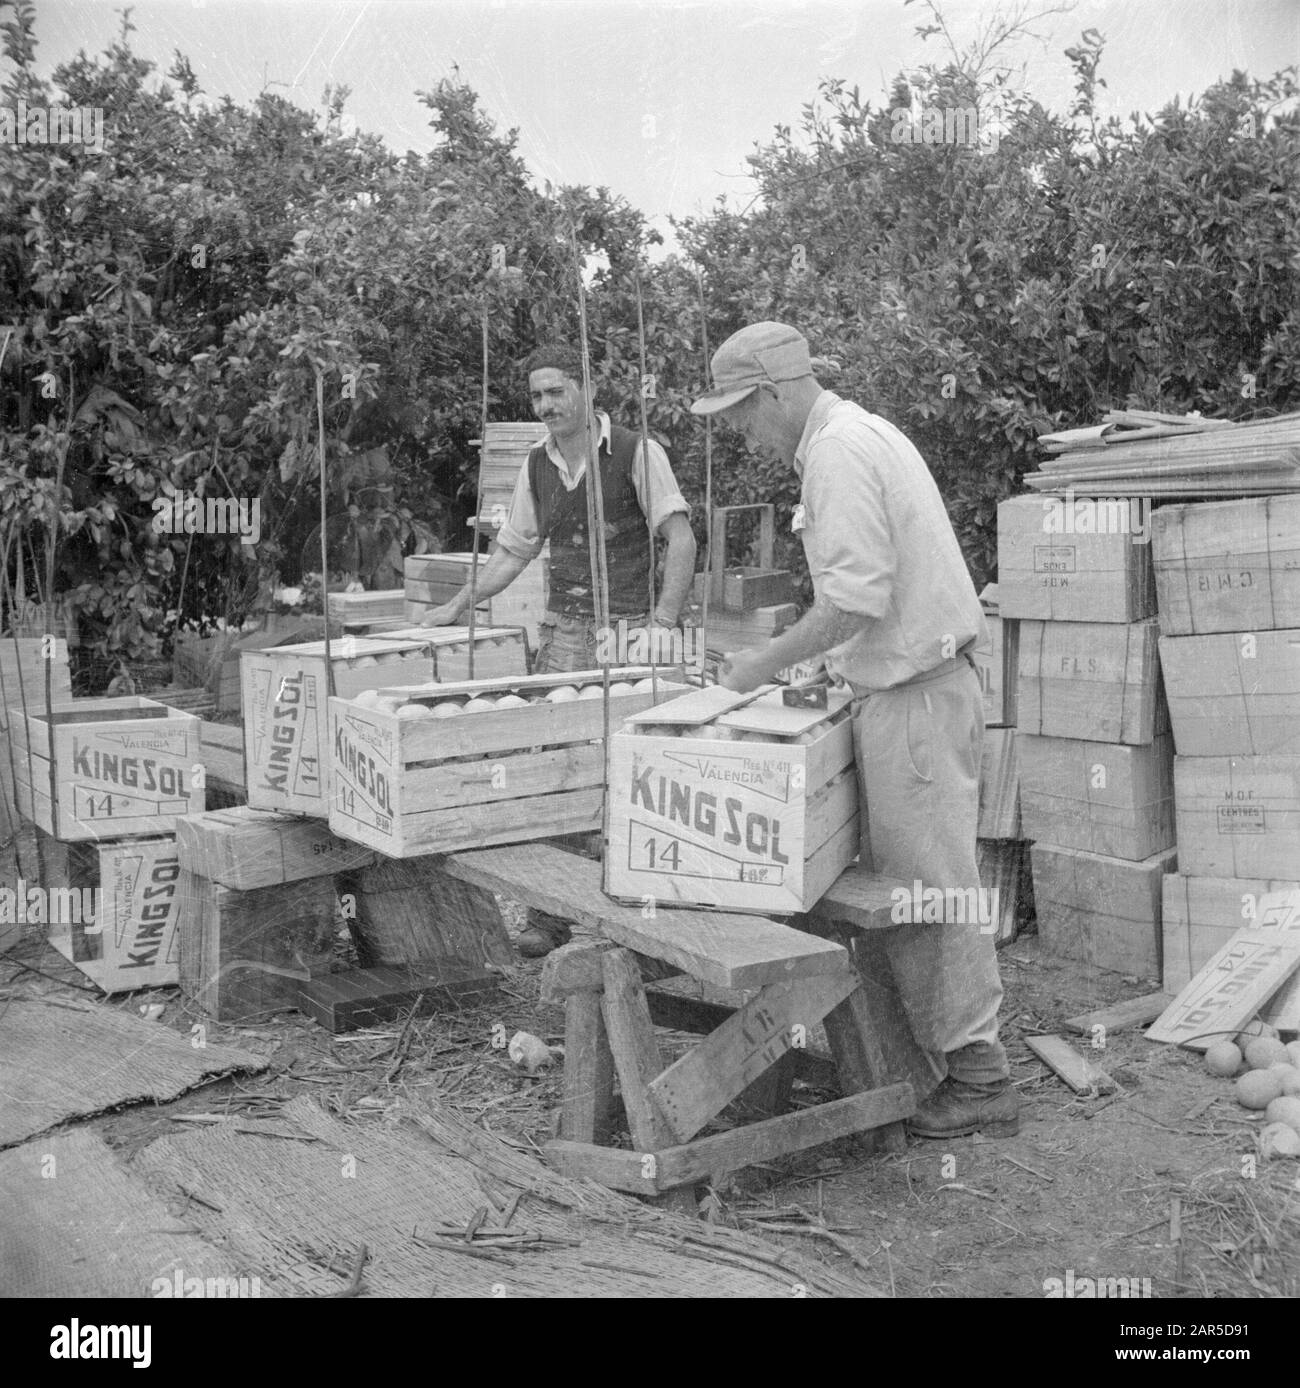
(609, 1028)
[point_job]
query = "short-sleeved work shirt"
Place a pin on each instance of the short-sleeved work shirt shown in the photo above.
(880, 545)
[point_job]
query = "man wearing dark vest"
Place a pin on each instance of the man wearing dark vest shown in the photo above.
(550, 503)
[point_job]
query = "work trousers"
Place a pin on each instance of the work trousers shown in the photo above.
(918, 754)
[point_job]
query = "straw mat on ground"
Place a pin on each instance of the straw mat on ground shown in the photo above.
(299, 1212)
(66, 1060)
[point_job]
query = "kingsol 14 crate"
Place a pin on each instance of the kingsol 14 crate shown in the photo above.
(131, 938)
(121, 766)
(285, 690)
(438, 768)
(752, 810)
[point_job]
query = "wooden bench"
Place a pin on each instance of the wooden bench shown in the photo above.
(750, 1052)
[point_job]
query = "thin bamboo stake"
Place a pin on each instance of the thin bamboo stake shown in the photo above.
(478, 497)
(324, 546)
(649, 500)
(50, 557)
(708, 470)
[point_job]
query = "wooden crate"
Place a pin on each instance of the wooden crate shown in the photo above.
(122, 766)
(1070, 577)
(366, 997)
(1228, 565)
(22, 683)
(133, 938)
(995, 662)
(351, 609)
(409, 912)
(999, 812)
(1234, 693)
(433, 579)
(506, 448)
(285, 692)
(1102, 797)
(1100, 909)
(744, 589)
(409, 786)
(1201, 914)
(764, 821)
(244, 953)
(1238, 816)
(221, 750)
(1099, 681)
(247, 848)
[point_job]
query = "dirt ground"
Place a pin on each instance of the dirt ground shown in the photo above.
(1088, 1186)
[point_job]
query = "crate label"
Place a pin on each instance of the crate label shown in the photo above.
(362, 789)
(767, 776)
(1241, 819)
(285, 719)
(1221, 580)
(127, 785)
(1054, 559)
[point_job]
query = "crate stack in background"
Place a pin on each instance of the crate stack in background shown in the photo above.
(1093, 743)
(1002, 851)
(1228, 589)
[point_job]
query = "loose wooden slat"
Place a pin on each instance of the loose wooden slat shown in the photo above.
(1121, 1016)
(731, 950)
(365, 997)
(1080, 1073)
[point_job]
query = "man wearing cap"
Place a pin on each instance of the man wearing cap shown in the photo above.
(896, 616)
(550, 502)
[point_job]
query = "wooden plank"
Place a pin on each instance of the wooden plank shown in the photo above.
(246, 848)
(588, 1105)
(1121, 1016)
(365, 997)
(702, 1083)
(1102, 910)
(576, 967)
(775, 1137)
(1080, 1073)
(1004, 869)
(609, 1166)
(1099, 681)
(1233, 694)
(636, 1053)
(999, 785)
(1238, 816)
(1230, 989)
(862, 899)
(731, 950)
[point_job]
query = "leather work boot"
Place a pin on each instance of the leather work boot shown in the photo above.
(956, 1109)
(543, 934)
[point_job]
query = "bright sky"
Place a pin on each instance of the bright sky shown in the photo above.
(659, 100)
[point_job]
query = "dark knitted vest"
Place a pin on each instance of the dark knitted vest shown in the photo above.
(562, 518)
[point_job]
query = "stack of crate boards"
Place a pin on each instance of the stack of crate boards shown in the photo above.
(1228, 585)
(1093, 742)
(1003, 852)
(105, 783)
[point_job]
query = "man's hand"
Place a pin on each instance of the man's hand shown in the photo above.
(744, 671)
(448, 615)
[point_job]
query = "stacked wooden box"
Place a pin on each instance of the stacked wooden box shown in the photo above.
(285, 692)
(1096, 757)
(1003, 852)
(112, 778)
(477, 763)
(1228, 584)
